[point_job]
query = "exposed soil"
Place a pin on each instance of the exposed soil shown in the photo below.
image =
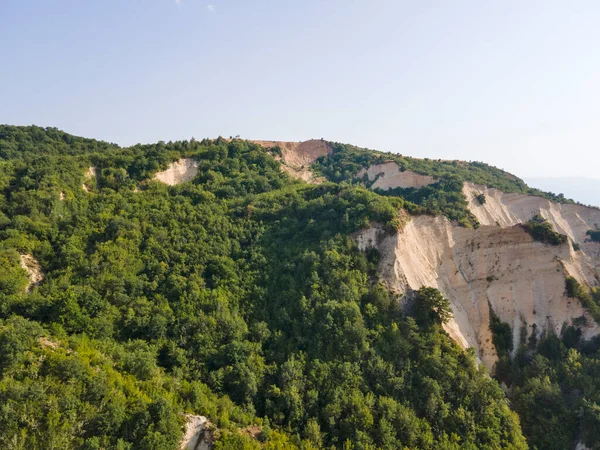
(178, 172)
(32, 266)
(297, 157)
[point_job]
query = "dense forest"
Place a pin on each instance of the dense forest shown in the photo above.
(243, 297)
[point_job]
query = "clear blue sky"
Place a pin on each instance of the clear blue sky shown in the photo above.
(512, 83)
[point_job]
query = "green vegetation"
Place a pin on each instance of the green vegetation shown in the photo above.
(445, 197)
(555, 388)
(240, 296)
(589, 300)
(32, 141)
(554, 381)
(541, 230)
(594, 235)
(346, 161)
(502, 335)
(431, 307)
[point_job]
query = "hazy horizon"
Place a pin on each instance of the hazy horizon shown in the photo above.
(511, 84)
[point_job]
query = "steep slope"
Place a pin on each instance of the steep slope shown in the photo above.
(500, 208)
(240, 298)
(497, 264)
(522, 280)
(506, 210)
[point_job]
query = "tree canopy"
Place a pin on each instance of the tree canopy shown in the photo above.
(240, 296)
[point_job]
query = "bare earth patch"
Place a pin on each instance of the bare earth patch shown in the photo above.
(30, 264)
(197, 434)
(506, 210)
(47, 343)
(178, 172)
(90, 179)
(297, 157)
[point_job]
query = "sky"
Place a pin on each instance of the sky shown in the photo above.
(513, 83)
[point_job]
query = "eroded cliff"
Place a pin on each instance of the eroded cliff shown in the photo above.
(496, 265)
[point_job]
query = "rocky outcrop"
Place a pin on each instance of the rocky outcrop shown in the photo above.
(178, 172)
(198, 435)
(297, 157)
(502, 267)
(388, 176)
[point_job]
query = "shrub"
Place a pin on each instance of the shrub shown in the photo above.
(502, 334)
(432, 307)
(575, 290)
(594, 235)
(541, 230)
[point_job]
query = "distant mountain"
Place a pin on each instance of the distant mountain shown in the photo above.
(583, 190)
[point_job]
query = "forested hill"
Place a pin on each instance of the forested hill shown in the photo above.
(241, 296)
(23, 142)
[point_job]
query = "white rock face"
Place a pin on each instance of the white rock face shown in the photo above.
(389, 176)
(523, 280)
(178, 172)
(197, 435)
(506, 210)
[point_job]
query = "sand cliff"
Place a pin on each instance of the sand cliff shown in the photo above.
(497, 265)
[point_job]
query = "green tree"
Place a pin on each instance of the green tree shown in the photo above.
(431, 306)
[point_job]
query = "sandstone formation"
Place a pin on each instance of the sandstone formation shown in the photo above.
(502, 267)
(178, 172)
(505, 210)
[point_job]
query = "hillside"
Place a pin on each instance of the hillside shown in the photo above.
(246, 295)
(584, 190)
